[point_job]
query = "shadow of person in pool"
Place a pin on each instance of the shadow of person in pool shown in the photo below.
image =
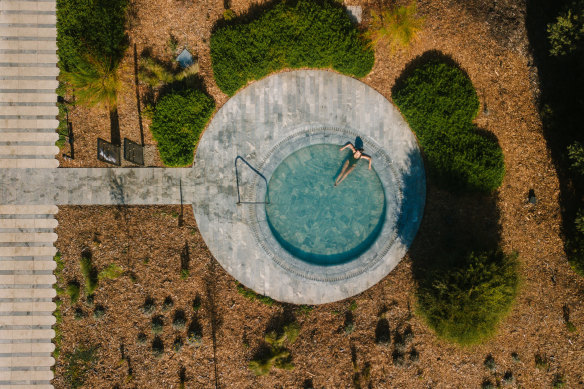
(351, 161)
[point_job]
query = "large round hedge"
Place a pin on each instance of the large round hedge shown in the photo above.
(288, 34)
(439, 102)
(465, 302)
(179, 119)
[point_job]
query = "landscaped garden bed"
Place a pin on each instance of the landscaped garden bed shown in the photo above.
(139, 253)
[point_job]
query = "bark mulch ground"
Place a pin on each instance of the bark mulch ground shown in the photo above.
(490, 44)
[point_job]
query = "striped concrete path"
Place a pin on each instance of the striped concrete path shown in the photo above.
(28, 112)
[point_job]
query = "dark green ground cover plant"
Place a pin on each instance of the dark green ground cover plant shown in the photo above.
(439, 102)
(77, 364)
(465, 301)
(95, 27)
(288, 34)
(179, 118)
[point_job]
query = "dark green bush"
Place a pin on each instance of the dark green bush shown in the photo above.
(157, 324)
(149, 306)
(178, 121)
(89, 271)
(464, 302)
(288, 34)
(73, 291)
(167, 304)
(439, 102)
(95, 27)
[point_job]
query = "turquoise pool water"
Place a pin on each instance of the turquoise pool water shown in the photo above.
(316, 221)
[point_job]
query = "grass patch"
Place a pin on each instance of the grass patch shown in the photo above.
(73, 291)
(111, 272)
(253, 296)
(439, 102)
(89, 272)
(288, 34)
(276, 354)
(179, 118)
(464, 302)
(78, 364)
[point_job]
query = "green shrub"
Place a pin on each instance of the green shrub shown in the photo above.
(99, 311)
(95, 27)
(288, 34)
(179, 320)
(148, 307)
(157, 347)
(89, 272)
(179, 118)
(167, 304)
(142, 338)
(464, 303)
(78, 364)
(566, 34)
(439, 102)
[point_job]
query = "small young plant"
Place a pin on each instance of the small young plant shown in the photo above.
(177, 344)
(157, 325)
(382, 332)
(515, 357)
(349, 324)
(167, 304)
(157, 347)
(276, 355)
(398, 357)
(148, 307)
(79, 314)
(99, 311)
(559, 381)
(508, 377)
(195, 333)
(414, 355)
(179, 320)
(541, 362)
(398, 26)
(196, 303)
(142, 338)
(490, 362)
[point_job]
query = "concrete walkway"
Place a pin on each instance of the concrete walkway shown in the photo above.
(97, 186)
(27, 140)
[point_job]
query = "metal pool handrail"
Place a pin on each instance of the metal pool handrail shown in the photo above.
(267, 201)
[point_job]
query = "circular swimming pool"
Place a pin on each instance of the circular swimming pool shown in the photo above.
(316, 221)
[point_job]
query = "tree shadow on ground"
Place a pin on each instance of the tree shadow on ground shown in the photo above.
(561, 103)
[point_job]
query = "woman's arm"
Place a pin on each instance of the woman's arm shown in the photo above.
(368, 158)
(348, 144)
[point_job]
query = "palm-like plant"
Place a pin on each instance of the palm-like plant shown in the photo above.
(399, 26)
(96, 83)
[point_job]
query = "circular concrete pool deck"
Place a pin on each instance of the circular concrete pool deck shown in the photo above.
(266, 122)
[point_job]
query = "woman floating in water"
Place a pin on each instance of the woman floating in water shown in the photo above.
(352, 160)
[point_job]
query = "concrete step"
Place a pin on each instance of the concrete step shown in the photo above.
(28, 58)
(47, 320)
(46, 97)
(29, 136)
(26, 361)
(30, 70)
(32, 386)
(29, 150)
(28, 18)
(28, 111)
(38, 375)
(27, 265)
(29, 163)
(27, 45)
(26, 252)
(35, 279)
(12, 237)
(28, 293)
(28, 209)
(29, 123)
(29, 84)
(28, 5)
(29, 32)
(40, 308)
(28, 223)
(27, 334)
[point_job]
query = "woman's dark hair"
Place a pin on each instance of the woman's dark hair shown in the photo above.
(359, 143)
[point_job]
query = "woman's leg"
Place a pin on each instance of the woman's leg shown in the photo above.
(342, 172)
(349, 170)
